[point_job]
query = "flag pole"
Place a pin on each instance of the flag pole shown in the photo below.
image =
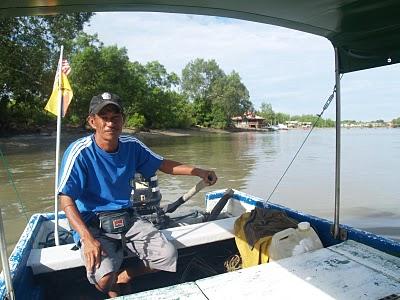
(59, 116)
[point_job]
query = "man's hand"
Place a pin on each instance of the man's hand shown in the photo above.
(92, 252)
(91, 247)
(208, 176)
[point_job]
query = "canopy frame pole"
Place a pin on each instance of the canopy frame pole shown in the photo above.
(4, 261)
(336, 229)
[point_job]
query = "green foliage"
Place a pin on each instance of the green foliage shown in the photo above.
(396, 121)
(177, 112)
(135, 121)
(74, 119)
(216, 97)
(218, 119)
(24, 116)
(161, 106)
(29, 49)
(312, 119)
(326, 123)
(271, 117)
(281, 118)
(158, 77)
(267, 113)
(97, 69)
(153, 97)
(350, 121)
(230, 97)
(148, 91)
(198, 77)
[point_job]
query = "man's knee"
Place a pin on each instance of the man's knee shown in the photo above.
(171, 252)
(107, 282)
(169, 258)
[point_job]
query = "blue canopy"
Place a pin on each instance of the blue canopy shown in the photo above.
(365, 32)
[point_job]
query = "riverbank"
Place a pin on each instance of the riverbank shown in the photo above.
(149, 133)
(193, 131)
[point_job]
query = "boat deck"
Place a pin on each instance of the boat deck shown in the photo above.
(47, 260)
(349, 270)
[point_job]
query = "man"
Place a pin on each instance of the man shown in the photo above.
(95, 177)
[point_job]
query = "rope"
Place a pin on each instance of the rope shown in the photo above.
(327, 103)
(11, 180)
(233, 263)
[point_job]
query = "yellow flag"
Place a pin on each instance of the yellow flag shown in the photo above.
(67, 94)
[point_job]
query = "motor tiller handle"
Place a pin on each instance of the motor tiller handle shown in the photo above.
(193, 191)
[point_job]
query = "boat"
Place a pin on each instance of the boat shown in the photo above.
(277, 127)
(282, 127)
(353, 264)
(40, 270)
(273, 128)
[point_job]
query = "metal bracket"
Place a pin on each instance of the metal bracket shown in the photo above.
(342, 233)
(391, 297)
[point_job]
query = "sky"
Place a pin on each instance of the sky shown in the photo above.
(291, 70)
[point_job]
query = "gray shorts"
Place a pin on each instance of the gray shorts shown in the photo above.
(144, 241)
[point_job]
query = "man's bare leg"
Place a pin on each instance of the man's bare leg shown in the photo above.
(107, 284)
(126, 275)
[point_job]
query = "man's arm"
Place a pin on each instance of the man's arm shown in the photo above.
(177, 168)
(91, 246)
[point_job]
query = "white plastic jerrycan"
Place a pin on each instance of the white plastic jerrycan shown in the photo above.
(292, 241)
(308, 239)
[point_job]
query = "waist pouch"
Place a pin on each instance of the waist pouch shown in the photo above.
(119, 221)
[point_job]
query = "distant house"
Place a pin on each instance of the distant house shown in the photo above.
(292, 124)
(248, 120)
(297, 124)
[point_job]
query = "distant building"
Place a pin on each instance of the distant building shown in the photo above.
(306, 125)
(298, 124)
(292, 124)
(366, 124)
(248, 120)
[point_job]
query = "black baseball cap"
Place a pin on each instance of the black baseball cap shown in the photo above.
(99, 101)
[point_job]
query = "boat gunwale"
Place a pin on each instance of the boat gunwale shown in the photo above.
(19, 256)
(322, 226)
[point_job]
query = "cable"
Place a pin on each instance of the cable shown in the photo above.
(192, 214)
(65, 238)
(10, 178)
(327, 103)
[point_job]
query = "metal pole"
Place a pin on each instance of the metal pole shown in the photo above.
(59, 116)
(4, 261)
(336, 229)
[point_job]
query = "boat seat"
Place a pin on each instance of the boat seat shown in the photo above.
(62, 257)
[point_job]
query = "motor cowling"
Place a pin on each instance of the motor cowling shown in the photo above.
(146, 196)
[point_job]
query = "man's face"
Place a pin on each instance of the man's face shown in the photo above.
(107, 122)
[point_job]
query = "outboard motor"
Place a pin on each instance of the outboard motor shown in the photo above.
(145, 195)
(146, 198)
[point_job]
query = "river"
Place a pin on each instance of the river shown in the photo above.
(249, 161)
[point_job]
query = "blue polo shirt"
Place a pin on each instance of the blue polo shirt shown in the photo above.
(100, 181)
